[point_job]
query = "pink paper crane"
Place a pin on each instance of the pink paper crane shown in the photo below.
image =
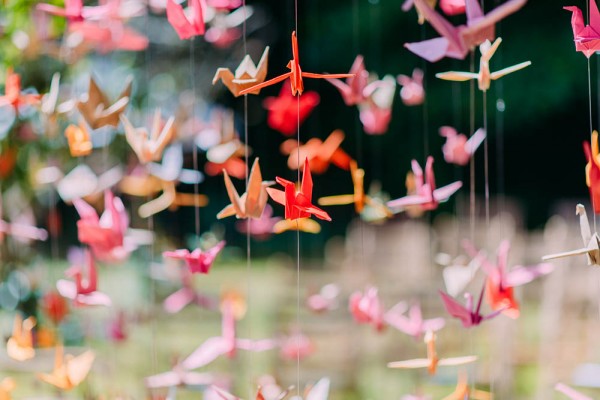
(298, 203)
(198, 261)
(586, 37)
(375, 112)
(457, 149)
(412, 92)
(106, 38)
(468, 315)
(226, 344)
(104, 235)
(73, 10)
(367, 308)
(325, 300)
(178, 300)
(179, 377)
(296, 346)
(413, 324)
(353, 90)
(186, 26)
(83, 291)
(453, 7)
(456, 42)
(427, 197)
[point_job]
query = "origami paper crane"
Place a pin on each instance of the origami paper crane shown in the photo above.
(592, 171)
(407, 5)
(226, 344)
(222, 394)
(117, 327)
(296, 74)
(586, 37)
(97, 110)
(225, 26)
(188, 24)
(55, 306)
(148, 146)
(484, 76)
(179, 377)
(118, 10)
(81, 182)
(570, 392)
(13, 96)
(224, 4)
(306, 225)
(22, 231)
(318, 391)
(468, 314)
(320, 153)
(19, 346)
(457, 149)
(225, 149)
(246, 74)
(105, 234)
(412, 92)
(50, 107)
(432, 361)
(105, 37)
(458, 273)
(198, 261)
(250, 204)
(591, 243)
(7, 385)
(186, 295)
(284, 113)
(353, 90)
(359, 198)
(367, 308)
(296, 346)
(325, 299)
(413, 325)
(73, 10)
(83, 291)
(376, 112)
(298, 203)
(79, 139)
(464, 391)
(453, 7)
(457, 41)
(69, 372)
(426, 196)
(261, 228)
(500, 281)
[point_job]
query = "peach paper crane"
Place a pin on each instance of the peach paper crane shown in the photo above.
(457, 41)
(250, 204)
(591, 243)
(427, 197)
(226, 344)
(83, 291)
(19, 346)
(69, 372)
(464, 391)
(359, 198)
(586, 37)
(570, 392)
(592, 171)
(298, 204)
(413, 325)
(432, 361)
(12, 92)
(367, 308)
(320, 153)
(457, 149)
(295, 74)
(79, 139)
(187, 23)
(97, 110)
(149, 146)
(412, 92)
(484, 76)
(7, 385)
(500, 282)
(284, 113)
(198, 261)
(469, 314)
(246, 74)
(353, 90)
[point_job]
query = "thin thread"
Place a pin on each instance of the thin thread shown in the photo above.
(486, 164)
(298, 246)
(589, 75)
(195, 148)
(472, 161)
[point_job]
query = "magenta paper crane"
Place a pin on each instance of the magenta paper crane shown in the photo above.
(427, 197)
(353, 90)
(186, 295)
(226, 344)
(570, 392)
(457, 149)
(468, 315)
(198, 261)
(413, 324)
(586, 37)
(186, 26)
(83, 291)
(457, 41)
(367, 308)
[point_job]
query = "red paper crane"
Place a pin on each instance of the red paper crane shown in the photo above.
(12, 92)
(295, 74)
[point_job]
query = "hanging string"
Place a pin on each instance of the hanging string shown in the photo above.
(194, 148)
(472, 161)
(486, 164)
(297, 226)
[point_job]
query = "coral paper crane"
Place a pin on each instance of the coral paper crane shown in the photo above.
(298, 203)
(186, 26)
(250, 204)
(353, 90)
(20, 344)
(320, 153)
(586, 37)
(246, 74)
(457, 149)
(12, 92)
(295, 73)
(457, 41)
(69, 372)
(484, 76)
(432, 361)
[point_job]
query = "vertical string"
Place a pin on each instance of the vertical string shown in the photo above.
(486, 165)
(472, 161)
(194, 148)
(297, 224)
(591, 128)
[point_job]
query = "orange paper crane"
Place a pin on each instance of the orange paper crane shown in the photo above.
(20, 345)
(359, 198)
(464, 391)
(246, 75)
(320, 153)
(7, 385)
(295, 74)
(78, 137)
(12, 92)
(69, 372)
